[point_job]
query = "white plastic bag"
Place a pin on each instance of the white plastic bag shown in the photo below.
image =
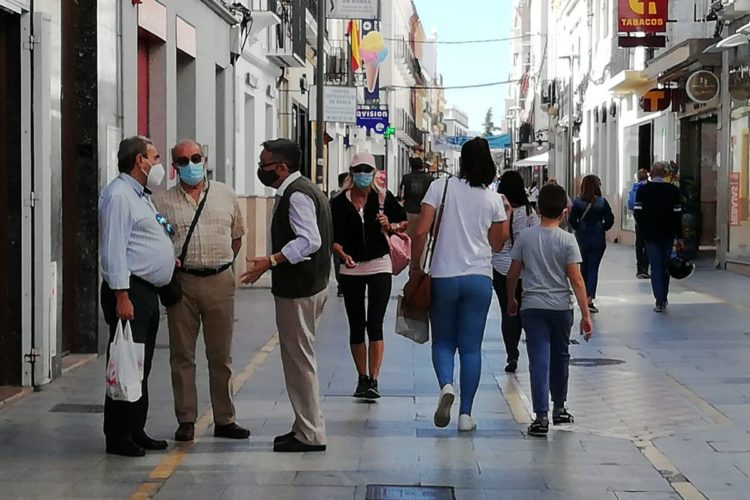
(125, 366)
(414, 326)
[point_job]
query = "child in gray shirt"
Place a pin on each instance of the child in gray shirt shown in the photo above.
(548, 260)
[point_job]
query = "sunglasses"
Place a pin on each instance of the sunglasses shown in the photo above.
(362, 169)
(168, 227)
(183, 161)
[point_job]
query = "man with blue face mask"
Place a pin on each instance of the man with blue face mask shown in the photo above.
(205, 275)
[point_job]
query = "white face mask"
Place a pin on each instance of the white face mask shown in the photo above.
(155, 176)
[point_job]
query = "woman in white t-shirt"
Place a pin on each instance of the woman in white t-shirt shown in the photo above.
(522, 216)
(472, 225)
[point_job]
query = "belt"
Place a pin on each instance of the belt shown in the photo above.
(204, 273)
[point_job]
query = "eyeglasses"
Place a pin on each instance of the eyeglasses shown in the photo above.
(183, 161)
(362, 169)
(168, 227)
(263, 166)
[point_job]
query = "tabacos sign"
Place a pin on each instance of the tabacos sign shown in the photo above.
(642, 16)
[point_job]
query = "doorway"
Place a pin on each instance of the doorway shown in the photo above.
(10, 200)
(698, 178)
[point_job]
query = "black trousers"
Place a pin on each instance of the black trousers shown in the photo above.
(123, 420)
(378, 288)
(641, 257)
(510, 325)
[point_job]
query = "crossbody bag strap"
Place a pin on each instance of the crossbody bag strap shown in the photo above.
(586, 212)
(435, 230)
(512, 236)
(197, 216)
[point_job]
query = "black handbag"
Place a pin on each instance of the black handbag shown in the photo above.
(171, 293)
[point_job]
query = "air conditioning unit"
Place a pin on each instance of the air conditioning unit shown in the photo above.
(272, 91)
(251, 80)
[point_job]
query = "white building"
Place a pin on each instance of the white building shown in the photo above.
(456, 125)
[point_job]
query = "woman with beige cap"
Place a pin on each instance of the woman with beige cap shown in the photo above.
(363, 213)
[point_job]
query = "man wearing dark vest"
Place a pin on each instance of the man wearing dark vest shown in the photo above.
(301, 239)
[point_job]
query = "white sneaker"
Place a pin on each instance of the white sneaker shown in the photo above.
(443, 412)
(466, 423)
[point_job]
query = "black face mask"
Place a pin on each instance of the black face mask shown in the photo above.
(267, 178)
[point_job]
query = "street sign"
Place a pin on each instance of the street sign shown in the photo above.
(339, 104)
(642, 16)
(353, 9)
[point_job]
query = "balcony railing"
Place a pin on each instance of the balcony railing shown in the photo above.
(287, 43)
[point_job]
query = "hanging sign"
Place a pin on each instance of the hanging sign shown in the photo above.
(642, 16)
(352, 9)
(373, 119)
(702, 86)
(372, 53)
(339, 104)
(734, 199)
(656, 100)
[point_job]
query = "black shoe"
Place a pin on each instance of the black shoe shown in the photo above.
(283, 437)
(592, 308)
(125, 448)
(362, 386)
(231, 431)
(372, 391)
(562, 417)
(643, 276)
(512, 366)
(294, 445)
(185, 432)
(148, 443)
(539, 428)
(660, 308)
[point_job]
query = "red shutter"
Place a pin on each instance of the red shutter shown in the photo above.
(143, 84)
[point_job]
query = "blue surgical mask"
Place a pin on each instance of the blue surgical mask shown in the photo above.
(192, 173)
(362, 180)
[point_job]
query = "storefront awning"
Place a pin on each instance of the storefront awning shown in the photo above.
(532, 161)
(630, 82)
(678, 59)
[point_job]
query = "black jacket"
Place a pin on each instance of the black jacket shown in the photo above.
(658, 211)
(363, 241)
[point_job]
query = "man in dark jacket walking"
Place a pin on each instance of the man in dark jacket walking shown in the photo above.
(658, 213)
(301, 240)
(641, 258)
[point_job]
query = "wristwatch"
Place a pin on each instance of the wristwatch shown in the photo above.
(274, 263)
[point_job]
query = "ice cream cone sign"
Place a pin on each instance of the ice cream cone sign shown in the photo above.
(372, 52)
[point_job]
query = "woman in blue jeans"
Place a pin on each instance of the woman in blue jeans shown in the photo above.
(470, 223)
(591, 217)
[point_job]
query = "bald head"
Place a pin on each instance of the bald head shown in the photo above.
(659, 169)
(186, 148)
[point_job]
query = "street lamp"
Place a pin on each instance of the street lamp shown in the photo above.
(569, 174)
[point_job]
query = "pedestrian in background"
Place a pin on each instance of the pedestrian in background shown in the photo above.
(658, 211)
(137, 257)
(522, 216)
(641, 257)
(547, 259)
(534, 194)
(591, 217)
(362, 212)
(207, 282)
(413, 188)
(471, 225)
(301, 240)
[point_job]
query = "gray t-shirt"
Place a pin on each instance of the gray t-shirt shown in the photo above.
(545, 253)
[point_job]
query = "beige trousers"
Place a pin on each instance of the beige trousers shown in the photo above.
(297, 321)
(209, 301)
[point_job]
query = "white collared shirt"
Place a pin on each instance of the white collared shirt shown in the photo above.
(304, 222)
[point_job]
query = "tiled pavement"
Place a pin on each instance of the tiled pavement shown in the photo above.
(667, 419)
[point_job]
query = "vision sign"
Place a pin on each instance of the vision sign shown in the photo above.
(642, 16)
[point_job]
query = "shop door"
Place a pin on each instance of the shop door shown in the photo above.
(698, 180)
(10, 200)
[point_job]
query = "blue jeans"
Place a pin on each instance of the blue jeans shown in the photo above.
(458, 316)
(591, 260)
(547, 338)
(659, 253)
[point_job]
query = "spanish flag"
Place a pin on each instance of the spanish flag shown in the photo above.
(353, 32)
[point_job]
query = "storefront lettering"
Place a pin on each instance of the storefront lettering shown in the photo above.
(734, 199)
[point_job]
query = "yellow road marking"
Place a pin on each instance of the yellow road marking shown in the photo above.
(669, 471)
(708, 409)
(517, 400)
(169, 464)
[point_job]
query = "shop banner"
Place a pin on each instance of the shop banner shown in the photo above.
(373, 119)
(642, 16)
(735, 214)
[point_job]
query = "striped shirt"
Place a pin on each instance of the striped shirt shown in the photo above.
(220, 223)
(521, 220)
(131, 239)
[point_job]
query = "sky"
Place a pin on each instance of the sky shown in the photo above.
(475, 63)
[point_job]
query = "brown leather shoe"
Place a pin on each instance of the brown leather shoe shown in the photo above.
(186, 432)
